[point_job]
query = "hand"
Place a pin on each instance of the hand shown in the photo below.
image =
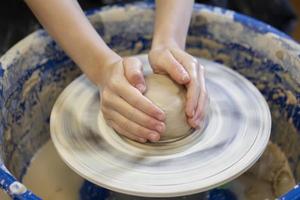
(124, 106)
(186, 70)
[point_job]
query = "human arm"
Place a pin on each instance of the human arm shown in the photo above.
(168, 56)
(67, 24)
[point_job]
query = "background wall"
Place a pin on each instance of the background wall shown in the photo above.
(296, 32)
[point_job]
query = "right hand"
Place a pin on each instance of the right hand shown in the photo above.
(123, 104)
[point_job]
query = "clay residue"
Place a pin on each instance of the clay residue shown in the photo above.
(269, 178)
(50, 178)
(30, 83)
(291, 99)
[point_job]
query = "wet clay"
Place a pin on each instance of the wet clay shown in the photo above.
(171, 98)
(269, 178)
(50, 178)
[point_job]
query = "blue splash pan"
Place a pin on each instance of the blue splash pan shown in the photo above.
(35, 71)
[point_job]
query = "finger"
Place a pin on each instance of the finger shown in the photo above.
(202, 102)
(174, 68)
(134, 73)
(117, 128)
(132, 127)
(134, 114)
(193, 88)
(193, 92)
(137, 100)
(201, 111)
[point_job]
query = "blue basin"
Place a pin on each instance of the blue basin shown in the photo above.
(36, 70)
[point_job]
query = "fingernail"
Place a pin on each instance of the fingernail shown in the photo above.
(154, 137)
(142, 140)
(160, 128)
(197, 124)
(140, 87)
(185, 77)
(193, 113)
(160, 116)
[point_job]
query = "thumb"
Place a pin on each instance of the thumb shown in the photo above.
(133, 69)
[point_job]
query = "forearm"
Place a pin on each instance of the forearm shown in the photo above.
(172, 21)
(67, 24)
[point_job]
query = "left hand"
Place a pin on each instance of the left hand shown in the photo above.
(185, 70)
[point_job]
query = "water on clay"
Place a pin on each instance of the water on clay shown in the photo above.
(51, 179)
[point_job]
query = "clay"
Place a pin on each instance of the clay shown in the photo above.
(171, 98)
(233, 138)
(269, 178)
(50, 178)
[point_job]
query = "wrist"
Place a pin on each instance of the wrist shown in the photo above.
(165, 42)
(98, 68)
(108, 59)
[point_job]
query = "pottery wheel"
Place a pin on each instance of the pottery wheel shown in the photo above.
(236, 133)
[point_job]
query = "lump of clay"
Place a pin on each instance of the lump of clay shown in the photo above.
(171, 98)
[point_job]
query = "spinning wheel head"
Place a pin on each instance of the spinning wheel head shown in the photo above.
(235, 134)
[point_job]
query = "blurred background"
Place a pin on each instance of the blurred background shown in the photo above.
(17, 21)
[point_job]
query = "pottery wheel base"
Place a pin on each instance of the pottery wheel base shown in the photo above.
(236, 133)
